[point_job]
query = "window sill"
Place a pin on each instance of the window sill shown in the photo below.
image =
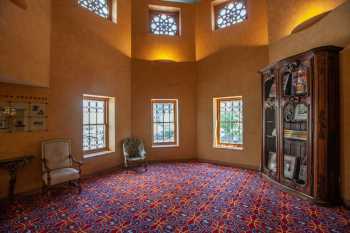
(97, 154)
(239, 148)
(165, 146)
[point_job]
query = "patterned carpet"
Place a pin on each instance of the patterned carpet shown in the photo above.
(173, 197)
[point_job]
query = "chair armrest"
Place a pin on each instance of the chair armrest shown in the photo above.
(80, 163)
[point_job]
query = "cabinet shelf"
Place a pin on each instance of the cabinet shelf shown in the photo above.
(295, 135)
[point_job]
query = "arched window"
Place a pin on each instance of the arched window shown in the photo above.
(229, 13)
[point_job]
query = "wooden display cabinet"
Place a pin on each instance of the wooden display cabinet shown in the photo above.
(301, 123)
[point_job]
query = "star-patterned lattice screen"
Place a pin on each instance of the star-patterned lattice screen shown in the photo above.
(229, 13)
(99, 7)
(164, 23)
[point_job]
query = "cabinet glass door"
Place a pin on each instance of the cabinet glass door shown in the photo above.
(270, 163)
(296, 130)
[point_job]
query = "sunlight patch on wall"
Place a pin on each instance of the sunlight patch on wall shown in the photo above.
(308, 13)
(164, 54)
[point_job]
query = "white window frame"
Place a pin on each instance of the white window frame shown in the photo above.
(216, 124)
(176, 122)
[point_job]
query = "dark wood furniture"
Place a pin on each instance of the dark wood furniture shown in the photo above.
(12, 164)
(301, 125)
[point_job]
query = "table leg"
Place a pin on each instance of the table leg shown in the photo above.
(12, 183)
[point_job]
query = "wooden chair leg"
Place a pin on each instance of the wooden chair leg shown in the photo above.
(79, 185)
(44, 190)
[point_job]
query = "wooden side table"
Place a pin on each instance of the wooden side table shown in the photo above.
(12, 164)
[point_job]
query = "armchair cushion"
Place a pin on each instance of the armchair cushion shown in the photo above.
(136, 158)
(57, 154)
(133, 148)
(61, 175)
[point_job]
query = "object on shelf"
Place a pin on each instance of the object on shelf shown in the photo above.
(274, 132)
(301, 112)
(272, 165)
(294, 134)
(302, 174)
(300, 82)
(289, 112)
(287, 84)
(272, 93)
(289, 166)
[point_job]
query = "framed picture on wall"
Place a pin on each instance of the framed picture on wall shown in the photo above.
(38, 123)
(20, 123)
(4, 117)
(37, 110)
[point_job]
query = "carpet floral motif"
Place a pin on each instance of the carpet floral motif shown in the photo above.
(173, 197)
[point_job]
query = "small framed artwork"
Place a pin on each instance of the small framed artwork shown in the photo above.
(37, 109)
(272, 164)
(301, 112)
(289, 112)
(4, 117)
(20, 123)
(38, 123)
(303, 173)
(289, 166)
(300, 82)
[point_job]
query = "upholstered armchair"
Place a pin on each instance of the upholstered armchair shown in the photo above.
(58, 164)
(134, 152)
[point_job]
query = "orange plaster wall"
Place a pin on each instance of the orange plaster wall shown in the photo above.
(147, 46)
(229, 60)
(88, 56)
(333, 29)
(152, 78)
(284, 16)
(252, 32)
(231, 73)
(165, 80)
(25, 42)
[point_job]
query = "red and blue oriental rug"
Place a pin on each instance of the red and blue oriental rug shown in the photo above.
(173, 197)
